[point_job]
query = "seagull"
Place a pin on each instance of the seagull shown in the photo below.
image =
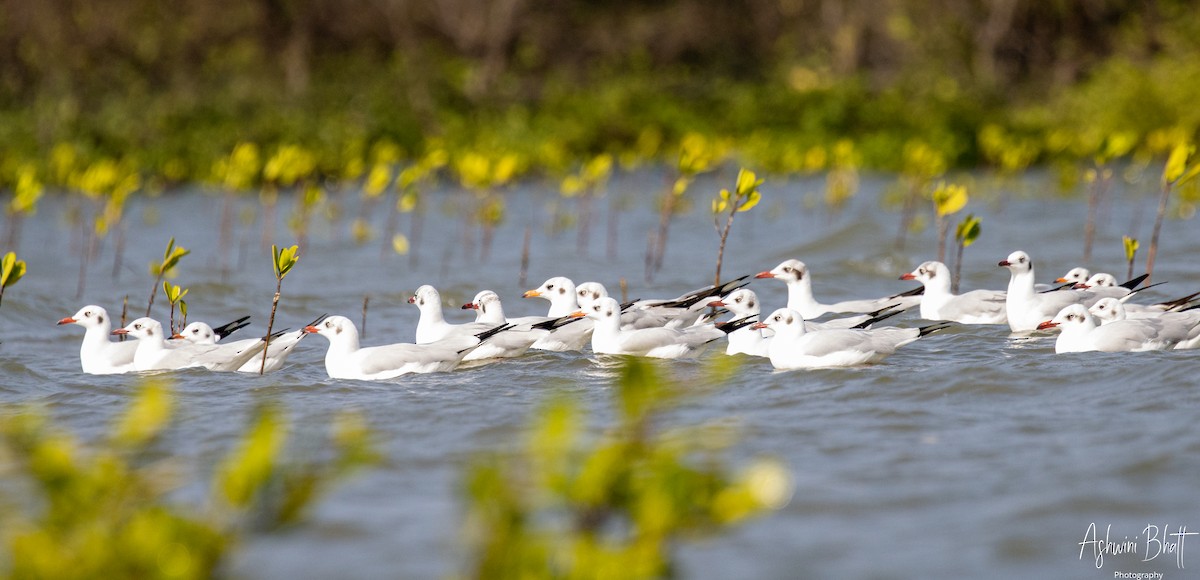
(1027, 308)
(345, 359)
(793, 347)
(561, 293)
(1077, 275)
(432, 327)
(800, 295)
(662, 342)
(152, 353)
(1082, 333)
(1181, 329)
(98, 355)
(282, 345)
(939, 303)
(744, 303)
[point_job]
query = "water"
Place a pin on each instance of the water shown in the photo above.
(970, 453)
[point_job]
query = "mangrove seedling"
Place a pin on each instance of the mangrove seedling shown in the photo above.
(175, 295)
(948, 199)
(1131, 248)
(697, 154)
(744, 197)
(1175, 173)
(282, 261)
(159, 269)
(922, 164)
(965, 234)
(11, 272)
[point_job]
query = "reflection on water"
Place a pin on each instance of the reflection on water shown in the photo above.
(971, 452)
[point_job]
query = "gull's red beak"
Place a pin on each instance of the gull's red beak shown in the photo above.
(120, 331)
(577, 314)
(764, 275)
(1081, 286)
(470, 306)
(716, 304)
(1046, 324)
(67, 320)
(412, 299)
(758, 325)
(176, 336)
(908, 276)
(1004, 263)
(311, 329)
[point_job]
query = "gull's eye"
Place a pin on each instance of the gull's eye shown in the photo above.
(596, 308)
(195, 331)
(88, 313)
(549, 286)
(137, 327)
(738, 299)
(329, 325)
(787, 268)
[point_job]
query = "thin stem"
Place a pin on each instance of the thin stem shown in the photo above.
(724, 235)
(270, 325)
(957, 267)
(524, 273)
(2, 295)
(366, 300)
(1158, 221)
(171, 324)
(154, 291)
(942, 226)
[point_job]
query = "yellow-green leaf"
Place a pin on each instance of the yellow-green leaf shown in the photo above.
(1177, 162)
(751, 201)
(1131, 247)
(146, 416)
(11, 269)
(968, 230)
(284, 259)
(400, 244)
(949, 198)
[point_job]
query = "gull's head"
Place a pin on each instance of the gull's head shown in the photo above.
(332, 327)
(426, 297)
(789, 271)
(142, 328)
(199, 333)
(1017, 262)
(741, 302)
(1107, 310)
(89, 316)
(603, 309)
(552, 289)
(1072, 317)
(928, 272)
(1101, 279)
(482, 300)
(782, 320)
(1076, 275)
(589, 292)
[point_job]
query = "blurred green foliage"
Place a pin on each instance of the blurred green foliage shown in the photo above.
(104, 509)
(574, 504)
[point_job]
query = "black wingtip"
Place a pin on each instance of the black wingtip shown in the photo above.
(555, 323)
(918, 291)
(318, 320)
(872, 320)
(1133, 283)
(493, 332)
(231, 327)
(932, 328)
(1066, 286)
(1178, 302)
(732, 325)
(885, 309)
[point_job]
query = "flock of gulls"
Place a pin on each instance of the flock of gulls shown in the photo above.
(1091, 313)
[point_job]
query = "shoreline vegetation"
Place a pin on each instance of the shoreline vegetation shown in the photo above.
(541, 89)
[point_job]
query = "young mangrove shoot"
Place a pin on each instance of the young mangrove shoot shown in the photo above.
(159, 269)
(11, 272)
(1175, 173)
(965, 234)
(744, 197)
(948, 199)
(282, 261)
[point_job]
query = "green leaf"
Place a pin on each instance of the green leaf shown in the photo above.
(11, 269)
(400, 244)
(751, 201)
(968, 230)
(284, 259)
(747, 182)
(183, 309)
(1131, 247)
(146, 416)
(1177, 162)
